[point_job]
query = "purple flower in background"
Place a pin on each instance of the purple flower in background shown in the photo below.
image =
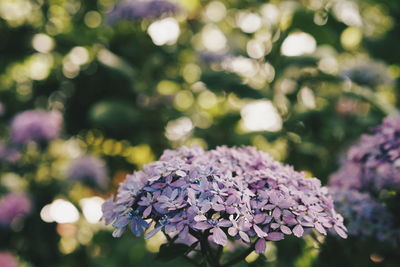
(368, 73)
(89, 170)
(373, 163)
(221, 195)
(13, 206)
(142, 9)
(37, 126)
(8, 260)
(366, 217)
(8, 154)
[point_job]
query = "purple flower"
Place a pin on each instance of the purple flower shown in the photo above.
(89, 170)
(142, 9)
(222, 195)
(368, 73)
(9, 154)
(36, 126)
(13, 206)
(373, 163)
(8, 260)
(366, 217)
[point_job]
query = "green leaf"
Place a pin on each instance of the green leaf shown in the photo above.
(171, 251)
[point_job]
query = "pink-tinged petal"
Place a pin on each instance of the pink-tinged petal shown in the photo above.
(218, 207)
(230, 200)
(147, 211)
(224, 223)
(320, 228)
(244, 236)
(178, 183)
(269, 207)
(200, 218)
(340, 231)
(275, 225)
(232, 231)
(298, 230)
(261, 245)
(286, 230)
(170, 228)
(275, 236)
(202, 225)
(219, 236)
(277, 213)
(259, 232)
(259, 218)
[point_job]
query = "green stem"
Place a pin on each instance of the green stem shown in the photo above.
(241, 257)
(369, 96)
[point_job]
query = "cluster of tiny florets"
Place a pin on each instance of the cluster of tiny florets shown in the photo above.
(142, 9)
(36, 126)
(365, 216)
(226, 193)
(373, 163)
(13, 206)
(89, 170)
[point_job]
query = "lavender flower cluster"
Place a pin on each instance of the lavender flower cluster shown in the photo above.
(36, 126)
(368, 73)
(366, 217)
(373, 163)
(89, 170)
(142, 9)
(236, 193)
(8, 260)
(12, 207)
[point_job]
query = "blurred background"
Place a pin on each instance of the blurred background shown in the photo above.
(92, 90)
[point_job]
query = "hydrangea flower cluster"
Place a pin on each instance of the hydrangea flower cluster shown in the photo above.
(368, 73)
(142, 9)
(13, 206)
(8, 260)
(8, 154)
(373, 163)
(37, 126)
(226, 193)
(366, 217)
(89, 170)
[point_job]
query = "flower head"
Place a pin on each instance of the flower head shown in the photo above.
(8, 154)
(89, 170)
(225, 194)
(366, 217)
(142, 9)
(373, 163)
(12, 207)
(8, 260)
(368, 73)
(37, 126)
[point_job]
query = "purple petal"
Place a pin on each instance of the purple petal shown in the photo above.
(340, 231)
(261, 245)
(147, 211)
(286, 230)
(202, 225)
(259, 232)
(219, 236)
(275, 236)
(298, 230)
